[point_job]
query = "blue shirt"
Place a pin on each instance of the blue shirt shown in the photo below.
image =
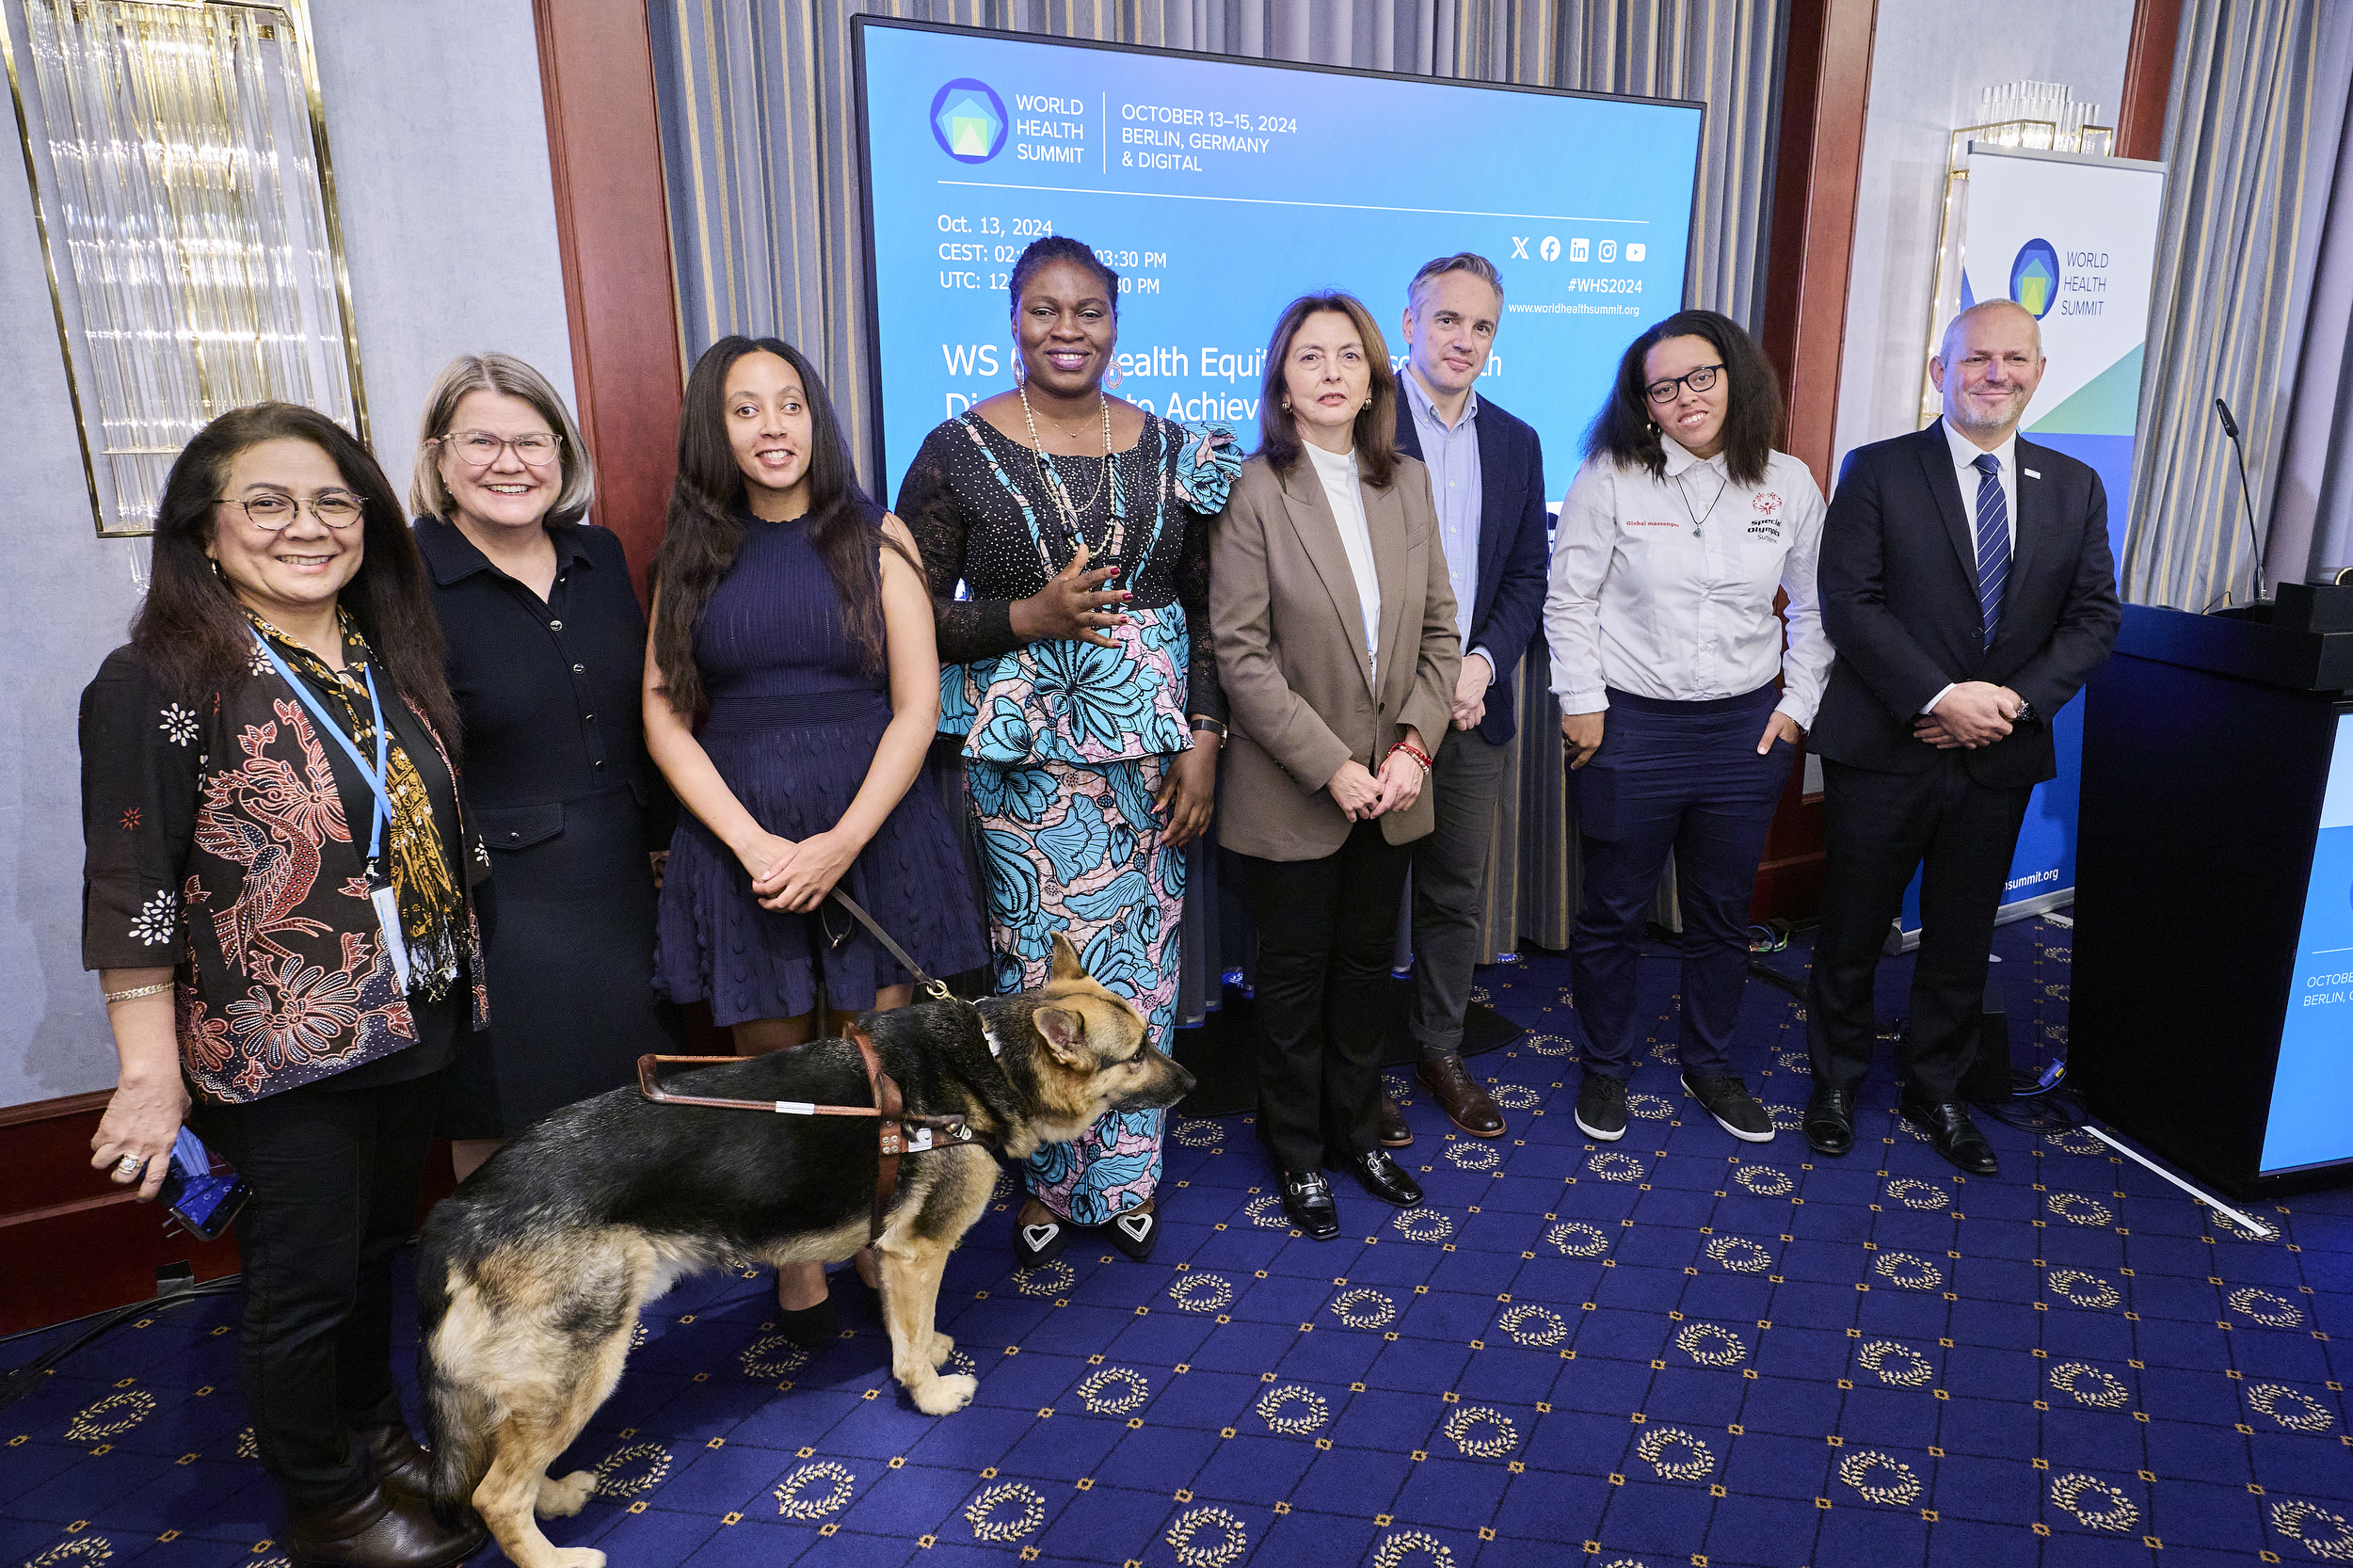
(1452, 459)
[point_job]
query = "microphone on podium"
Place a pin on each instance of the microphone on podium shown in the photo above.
(2230, 428)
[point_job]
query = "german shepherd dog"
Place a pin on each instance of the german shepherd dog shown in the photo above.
(531, 1275)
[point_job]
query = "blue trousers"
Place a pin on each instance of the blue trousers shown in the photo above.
(1682, 777)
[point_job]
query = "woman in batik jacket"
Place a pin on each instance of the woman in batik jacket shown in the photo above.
(277, 897)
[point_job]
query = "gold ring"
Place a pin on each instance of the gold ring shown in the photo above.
(131, 1165)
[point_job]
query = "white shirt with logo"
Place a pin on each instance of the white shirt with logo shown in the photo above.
(1662, 585)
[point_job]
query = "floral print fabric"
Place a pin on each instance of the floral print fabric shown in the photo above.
(1077, 849)
(1067, 701)
(217, 840)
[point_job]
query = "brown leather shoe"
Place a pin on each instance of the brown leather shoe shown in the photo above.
(380, 1530)
(1467, 1104)
(1394, 1134)
(400, 1464)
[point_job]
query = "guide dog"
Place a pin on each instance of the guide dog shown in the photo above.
(531, 1275)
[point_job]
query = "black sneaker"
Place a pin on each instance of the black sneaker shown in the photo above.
(1736, 1110)
(1601, 1107)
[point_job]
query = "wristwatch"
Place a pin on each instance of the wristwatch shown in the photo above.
(2025, 713)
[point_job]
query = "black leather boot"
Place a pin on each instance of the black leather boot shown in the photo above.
(380, 1530)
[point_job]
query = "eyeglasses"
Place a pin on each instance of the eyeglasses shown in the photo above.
(480, 448)
(273, 511)
(1699, 380)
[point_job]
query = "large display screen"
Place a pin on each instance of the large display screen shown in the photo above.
(1220, 189)
(2311, 1090)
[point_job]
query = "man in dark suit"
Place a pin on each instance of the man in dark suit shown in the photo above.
(1487, 474)
(1967, 584)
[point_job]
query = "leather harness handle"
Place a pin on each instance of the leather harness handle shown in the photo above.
(889, 1111)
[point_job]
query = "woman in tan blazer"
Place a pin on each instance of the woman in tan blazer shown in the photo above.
(1337, 646)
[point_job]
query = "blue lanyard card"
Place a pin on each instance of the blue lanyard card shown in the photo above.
(380, 890)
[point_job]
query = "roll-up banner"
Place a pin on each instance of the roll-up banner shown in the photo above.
(2074, 239)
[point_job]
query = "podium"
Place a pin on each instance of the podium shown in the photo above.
(2211, 1010)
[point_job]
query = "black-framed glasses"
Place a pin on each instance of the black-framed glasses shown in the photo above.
(273, 511)
(1698, 378)
(480, 448)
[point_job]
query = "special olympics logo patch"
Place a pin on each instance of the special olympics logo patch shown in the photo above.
(1765, 502)
(969, 121)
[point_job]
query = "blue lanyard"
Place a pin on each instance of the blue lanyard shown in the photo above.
(375, 779)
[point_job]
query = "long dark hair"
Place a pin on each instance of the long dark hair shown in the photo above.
(192, 633)
(1625, 433)
(1376, 423)
(705, 527)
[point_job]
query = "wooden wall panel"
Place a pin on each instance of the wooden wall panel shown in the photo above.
(72, 1242)
(2148, 78)
(1826, 90)
(612, 230)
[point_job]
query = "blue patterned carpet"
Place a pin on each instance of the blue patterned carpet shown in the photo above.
(1676, 1350)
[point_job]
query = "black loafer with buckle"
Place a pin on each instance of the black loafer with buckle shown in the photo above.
(1307, 1200)
(1386, 1179)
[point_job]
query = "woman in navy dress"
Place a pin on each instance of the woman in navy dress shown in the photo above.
(545, 640)
(792, 619)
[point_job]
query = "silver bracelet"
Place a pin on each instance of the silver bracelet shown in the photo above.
(136, 992)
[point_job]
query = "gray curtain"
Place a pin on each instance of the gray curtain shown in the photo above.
(760, 150)
(2311, 509)
(2253, 141)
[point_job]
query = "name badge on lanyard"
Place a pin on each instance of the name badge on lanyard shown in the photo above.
(381, 894)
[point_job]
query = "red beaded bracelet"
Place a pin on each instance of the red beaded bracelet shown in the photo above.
(1410, 749)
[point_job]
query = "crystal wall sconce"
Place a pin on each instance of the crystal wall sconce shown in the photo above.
(177, 156)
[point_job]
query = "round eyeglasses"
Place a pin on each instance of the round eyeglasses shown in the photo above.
(480, 448)
(273, 511)
(1698, 380)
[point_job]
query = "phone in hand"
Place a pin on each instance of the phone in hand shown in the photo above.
(200, 1201)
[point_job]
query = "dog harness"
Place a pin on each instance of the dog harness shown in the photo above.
(900, 1132)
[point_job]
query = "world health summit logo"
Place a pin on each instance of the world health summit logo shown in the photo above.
(2034, 278)
(969, 121)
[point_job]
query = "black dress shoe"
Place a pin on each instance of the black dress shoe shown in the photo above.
(400, 1464)
(1386, 1179)
(1394, 1134)
(380, 1530)
(1830, 1121)
(1952, 1134)
(1307, 1200)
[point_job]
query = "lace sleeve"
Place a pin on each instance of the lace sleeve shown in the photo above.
(967, 628)
(1203, 695)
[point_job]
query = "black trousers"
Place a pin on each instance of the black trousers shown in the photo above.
(1960, 834)
(334, 1174)
(1326, 930)
(1682, 777)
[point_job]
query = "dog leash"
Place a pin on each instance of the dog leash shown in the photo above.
(900, 1132)
(936, 990)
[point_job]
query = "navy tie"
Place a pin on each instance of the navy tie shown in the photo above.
(1992, 541)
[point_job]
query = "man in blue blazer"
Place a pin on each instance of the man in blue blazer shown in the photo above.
(1967, 584)
(1488, 472)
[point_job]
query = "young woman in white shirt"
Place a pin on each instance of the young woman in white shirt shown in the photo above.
(1676, 535)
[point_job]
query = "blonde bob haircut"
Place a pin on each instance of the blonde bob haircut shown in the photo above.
(499, 372)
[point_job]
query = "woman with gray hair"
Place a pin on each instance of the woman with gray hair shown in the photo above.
(545, 640)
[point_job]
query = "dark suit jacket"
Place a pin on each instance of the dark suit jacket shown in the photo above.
(1899, 599)
(1508, 608)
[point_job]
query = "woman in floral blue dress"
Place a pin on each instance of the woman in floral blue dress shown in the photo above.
(1080, 678)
